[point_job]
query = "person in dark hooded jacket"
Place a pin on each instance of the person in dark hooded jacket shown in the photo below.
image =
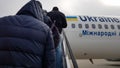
(58, 18)
(54, 29)
(25, 41)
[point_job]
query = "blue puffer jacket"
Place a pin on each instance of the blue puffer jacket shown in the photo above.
(25, 41)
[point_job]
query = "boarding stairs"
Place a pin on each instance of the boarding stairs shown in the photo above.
(68, 57)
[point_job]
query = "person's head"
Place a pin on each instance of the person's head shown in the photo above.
(45, 12)
(32, 8)
(55, 9)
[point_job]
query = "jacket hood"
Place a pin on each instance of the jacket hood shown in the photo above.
(32, 8)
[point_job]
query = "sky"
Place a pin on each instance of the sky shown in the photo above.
(68, 7)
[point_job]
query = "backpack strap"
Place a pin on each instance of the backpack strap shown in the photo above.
(53, 25)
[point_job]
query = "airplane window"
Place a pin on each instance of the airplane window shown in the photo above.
(86, 26)
(112, 27)
(80, 25)
(73, 25)
(99, 26)
(106, 26)
(93, 26)
(118, 26)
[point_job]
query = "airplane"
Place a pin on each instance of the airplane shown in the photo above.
(94, 37)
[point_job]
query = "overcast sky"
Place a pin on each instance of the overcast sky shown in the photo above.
(69, 7)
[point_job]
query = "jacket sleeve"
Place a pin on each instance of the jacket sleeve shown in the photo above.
(49, 61)
(64, 22)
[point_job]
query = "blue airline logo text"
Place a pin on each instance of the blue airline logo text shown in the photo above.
(99, 33)
(99, 19)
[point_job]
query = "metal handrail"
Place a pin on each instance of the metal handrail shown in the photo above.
(64, 56)
(75, 65)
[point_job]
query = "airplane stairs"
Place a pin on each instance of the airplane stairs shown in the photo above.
(68, 56)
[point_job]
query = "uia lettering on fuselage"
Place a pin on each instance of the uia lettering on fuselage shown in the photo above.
(99, 19)
(99, 33)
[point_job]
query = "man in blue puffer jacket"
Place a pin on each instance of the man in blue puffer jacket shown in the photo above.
(25, 41)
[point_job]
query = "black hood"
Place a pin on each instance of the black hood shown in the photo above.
(32, 8)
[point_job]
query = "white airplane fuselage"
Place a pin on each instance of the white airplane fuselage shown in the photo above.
(96, 37)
